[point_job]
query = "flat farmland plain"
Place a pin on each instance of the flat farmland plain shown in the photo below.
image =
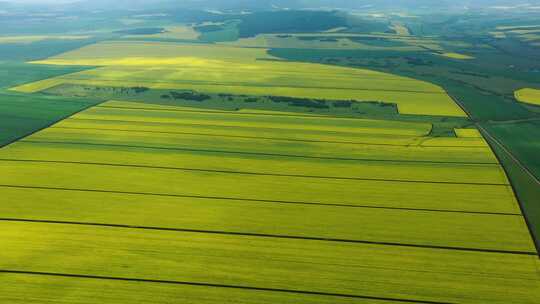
(257, 207)
(237, 70)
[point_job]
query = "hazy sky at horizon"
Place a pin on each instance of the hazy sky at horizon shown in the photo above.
(38, 1)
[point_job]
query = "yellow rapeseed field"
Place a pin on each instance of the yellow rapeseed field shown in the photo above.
(531, 96)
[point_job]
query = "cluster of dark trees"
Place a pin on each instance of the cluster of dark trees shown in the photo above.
(194, 96)
(301, 102)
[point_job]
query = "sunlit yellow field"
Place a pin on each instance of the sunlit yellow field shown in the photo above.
(468, 133)
(456, 56)
(531, 96)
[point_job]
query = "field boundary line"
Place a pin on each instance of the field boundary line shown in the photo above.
(273, 236)
(259, 153)
(254, 200)
(275, 138)
(214, 285)
(249, 173)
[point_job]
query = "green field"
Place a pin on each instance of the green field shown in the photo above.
(188, 182)
(22, 114)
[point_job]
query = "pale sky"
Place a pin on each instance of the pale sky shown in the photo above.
(38, 1)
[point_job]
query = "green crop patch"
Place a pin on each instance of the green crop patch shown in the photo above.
(23, 115)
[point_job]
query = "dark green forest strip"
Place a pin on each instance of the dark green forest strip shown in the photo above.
(276, 236)
(316, 293)
(256, 200)
(258, 153)
(247, 172)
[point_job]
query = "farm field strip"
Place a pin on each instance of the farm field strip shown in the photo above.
(128, 126)
(49, 287)
(339, 43)
(252, 147)
(251, 154)
(270, 122)
(265, 147)
(363, 135)
(376, 135)
(530, 252)
(177, 108)
(270, 133)
(239, 172)
(302, 123)
(197, 126)
(468, 133)
(28, 39)
(449, 173)
(288, 264)
(237, 71)
(145, 180)
(254, 200)
(199, 130)
(325, 72)
(142, 76)
(448, 230)
(119, 50)
(122, 125)
(280, 69)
